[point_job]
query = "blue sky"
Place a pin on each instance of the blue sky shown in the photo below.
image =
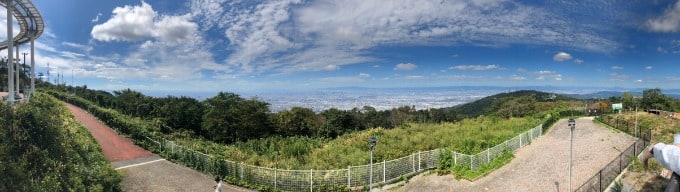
(210, 45)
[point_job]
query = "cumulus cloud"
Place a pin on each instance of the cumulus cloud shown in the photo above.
(616, 67)
(364, 75)
(133, 23)
(476, 67)
(649, 68)
(669, 22)
(562, 56)
(405, 67)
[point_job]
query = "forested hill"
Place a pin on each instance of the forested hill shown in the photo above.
(494, 103)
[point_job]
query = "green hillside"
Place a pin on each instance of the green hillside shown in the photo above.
(522, 103)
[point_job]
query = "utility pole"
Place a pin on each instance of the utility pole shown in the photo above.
(24, 67)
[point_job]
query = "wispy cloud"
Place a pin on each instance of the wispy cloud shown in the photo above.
(85, 48)
(476, 67)
(668, 22)
(649, 67)
(405, 67)
(290, 35)
(96, 19)
(616, 67)
(517, 78)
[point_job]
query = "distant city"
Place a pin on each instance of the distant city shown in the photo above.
(348, 98)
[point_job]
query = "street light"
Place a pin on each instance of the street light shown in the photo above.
(371, 145)
(572, 126)
(636, 115)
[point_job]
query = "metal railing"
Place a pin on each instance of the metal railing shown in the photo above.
(322, 180)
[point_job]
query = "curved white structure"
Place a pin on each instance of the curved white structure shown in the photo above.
(30, 21)
(32, 26)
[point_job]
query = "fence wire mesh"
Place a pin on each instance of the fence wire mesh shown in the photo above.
(324, 180)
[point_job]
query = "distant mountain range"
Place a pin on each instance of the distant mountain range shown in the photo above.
(607, 94)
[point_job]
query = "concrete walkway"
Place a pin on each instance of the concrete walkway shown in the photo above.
(141, 169)
(543, 165)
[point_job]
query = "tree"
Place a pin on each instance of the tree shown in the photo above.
(654, 99)
(229, 118)
(337, 122)
(180, 113)
(296, 121)
(133, 103)
(628, 101)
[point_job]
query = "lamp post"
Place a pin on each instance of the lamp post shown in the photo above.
(572, 125)
(371, 145)
(636, 116)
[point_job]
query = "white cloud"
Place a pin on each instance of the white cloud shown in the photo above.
(668, 22)
(562, 56)
(476, 67)
(376, 66)
(638, 81)
(405, 67)
(96, 19)
(133, 23)
(649, 68)
(578, 61)
(616, 67)
(174, 29)
(364, 75)
(129, 23)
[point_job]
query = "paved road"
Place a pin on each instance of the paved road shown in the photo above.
(543, 165)
(141, 169)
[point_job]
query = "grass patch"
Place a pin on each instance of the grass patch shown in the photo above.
(465, 173)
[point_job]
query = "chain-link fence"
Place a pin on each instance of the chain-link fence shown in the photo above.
(606, 175)
(324, 180)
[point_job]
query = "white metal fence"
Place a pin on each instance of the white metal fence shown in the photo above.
(327, 180)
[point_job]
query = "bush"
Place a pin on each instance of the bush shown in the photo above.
(445, 162)
(43, 148)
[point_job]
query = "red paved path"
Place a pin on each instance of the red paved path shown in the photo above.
(114, 146)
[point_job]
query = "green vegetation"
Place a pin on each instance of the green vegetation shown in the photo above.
(516, 104)
(465, 173)
(43, 148)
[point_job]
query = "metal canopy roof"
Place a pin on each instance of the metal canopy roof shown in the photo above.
(30, 21)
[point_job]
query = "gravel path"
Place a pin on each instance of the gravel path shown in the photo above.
(543, 165)
(141, 169)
